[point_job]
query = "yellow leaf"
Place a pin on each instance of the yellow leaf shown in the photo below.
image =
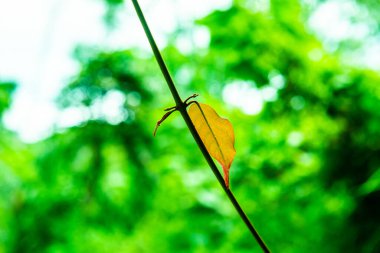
(216, 133)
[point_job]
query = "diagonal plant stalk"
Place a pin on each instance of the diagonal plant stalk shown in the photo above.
(181, 106)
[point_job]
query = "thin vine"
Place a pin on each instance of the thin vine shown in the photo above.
(181, 107)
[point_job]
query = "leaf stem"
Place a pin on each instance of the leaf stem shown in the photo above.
(182, 108)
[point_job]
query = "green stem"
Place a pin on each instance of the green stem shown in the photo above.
(182, 108)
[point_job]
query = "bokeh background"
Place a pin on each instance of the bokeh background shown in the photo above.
(81, 172)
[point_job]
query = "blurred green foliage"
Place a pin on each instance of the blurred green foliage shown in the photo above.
(6, 91)
(307, 169)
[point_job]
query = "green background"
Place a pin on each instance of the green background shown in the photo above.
(307, 168)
